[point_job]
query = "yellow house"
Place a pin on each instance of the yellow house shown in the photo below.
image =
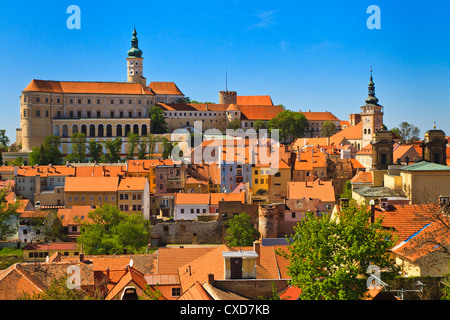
(39, 251)
(425, 181)
(133, 196)
(91, 191)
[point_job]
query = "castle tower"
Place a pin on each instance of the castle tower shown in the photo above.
(268, 220)
(227, 97)
(135, 62)
(434, 147)
(371, 115)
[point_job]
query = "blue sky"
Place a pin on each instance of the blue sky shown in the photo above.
(307, 55)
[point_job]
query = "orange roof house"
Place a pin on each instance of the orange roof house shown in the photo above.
(259, 112)
(91, 184)
(320, 116)
(165, 88)
(317, 189)
(254, 100)
(74, 87)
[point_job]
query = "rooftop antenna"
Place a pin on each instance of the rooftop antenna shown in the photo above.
(226, 80)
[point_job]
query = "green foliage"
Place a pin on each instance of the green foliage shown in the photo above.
(347, 192)
(58, 290)
(113, 148)
(111, 231)
(446, 287)
(18, 161)
(234, 124)
(259, 124)
(329, 258)
(240, 231)
(159, 124)
(133, 142)
(167, 148)
(328, 128)
(4, 140)
(151, 141)
(406, 132)
(78, 147)
(151, 293)
(7, 212)
(95, 151)
(291, 125)
(47, 153)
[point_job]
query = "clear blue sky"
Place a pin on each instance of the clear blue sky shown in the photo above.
(307, 55)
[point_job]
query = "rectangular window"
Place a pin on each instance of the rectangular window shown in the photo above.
(176, 292)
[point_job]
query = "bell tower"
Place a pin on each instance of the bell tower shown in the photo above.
(135, 62)
(371, 115)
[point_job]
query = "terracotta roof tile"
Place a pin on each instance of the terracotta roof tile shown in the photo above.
(91, 184)
(254, 100)
(165, 88)
(317, 189)
(74, 87)
(259, 112)
(319, 116)
(132, 184)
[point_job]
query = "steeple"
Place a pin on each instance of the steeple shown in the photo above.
(371, 99)
(134, 52)
(135, 62)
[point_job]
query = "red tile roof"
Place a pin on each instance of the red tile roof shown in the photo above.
(254, 100)
(319, 116)
(259, 112)
(165, 88)
(114, 88)
(91, 184)
(317, 189)
(362, 177)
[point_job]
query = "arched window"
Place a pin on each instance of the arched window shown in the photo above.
(74, 129)
(127, 130)
(84, 129)
(65, 131)
(119, 130)
(109, 130)
(56, 130)
(144, 129)
(100, 130)
(136, 129)
(92, 130)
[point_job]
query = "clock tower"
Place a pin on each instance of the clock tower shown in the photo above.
(371, 115)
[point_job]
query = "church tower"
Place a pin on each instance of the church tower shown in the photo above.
(371, 115)
(135, 62)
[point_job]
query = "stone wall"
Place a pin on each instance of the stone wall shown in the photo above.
(189, 232)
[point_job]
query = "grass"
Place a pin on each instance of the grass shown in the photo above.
(11, 252)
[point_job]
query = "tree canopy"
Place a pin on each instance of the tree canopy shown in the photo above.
(47, 153)
(240, 231)
(328, 128)
(110, 231)
(406, 132)
(7, 211)
(291, 125)
(159, 124)
(329, 258)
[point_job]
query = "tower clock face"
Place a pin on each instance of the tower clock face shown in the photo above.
(367, 120)
(378, 120)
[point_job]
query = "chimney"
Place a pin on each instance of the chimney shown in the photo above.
(108, 275)
(372, 212)
(211, 279)
(257, 249)
(81, 257)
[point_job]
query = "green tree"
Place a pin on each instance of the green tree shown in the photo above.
(133, 142)
(78, 147)
(59, 290)
(152, 141)
(406, 132)
(47, 153)
(328, 128)
(95, 151)
(234, 124)
(110, 231)
(7, 212)
(159, 124)
(240, 231)
(259, 125)
(4, 140)
(142, 148)
(347, 191)
(113, 148)
(167, 148)
(18, 161)
(291, 125)
(52, 227)
(329, 258)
